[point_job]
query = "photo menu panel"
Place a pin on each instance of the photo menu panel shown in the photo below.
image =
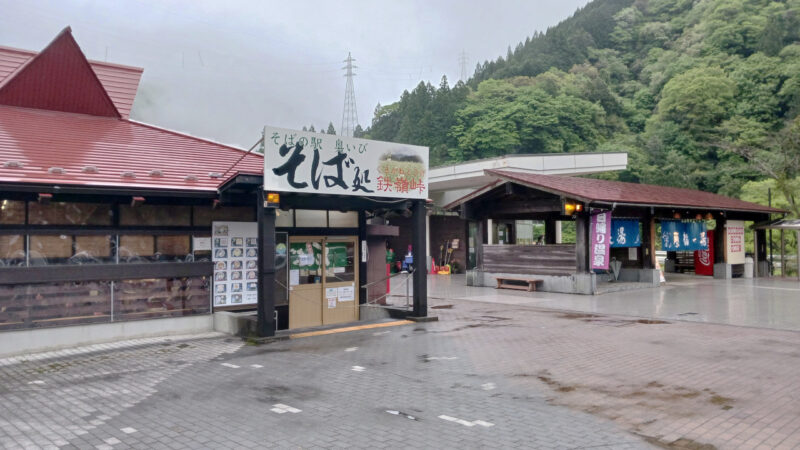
(235, 257)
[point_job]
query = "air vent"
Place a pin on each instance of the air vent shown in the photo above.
(56, 170)
(215, 175)
(190, 178)
(12, 165)
(156, 173)
(89, 169)
(128, 174)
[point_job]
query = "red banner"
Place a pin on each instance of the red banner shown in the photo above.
(704, 259)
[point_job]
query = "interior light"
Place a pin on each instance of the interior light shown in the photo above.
(578, 207)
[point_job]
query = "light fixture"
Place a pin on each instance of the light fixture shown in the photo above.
(272, 200)
(135, 201)
(44, 198)
(677, 215)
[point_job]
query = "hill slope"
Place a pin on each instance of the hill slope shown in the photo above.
(701, 93)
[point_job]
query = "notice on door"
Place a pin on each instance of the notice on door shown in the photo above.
(347, 293)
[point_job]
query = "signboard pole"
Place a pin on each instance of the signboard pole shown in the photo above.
(420, 271)
(265, 325)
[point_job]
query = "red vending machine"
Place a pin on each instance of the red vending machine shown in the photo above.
(704, 259)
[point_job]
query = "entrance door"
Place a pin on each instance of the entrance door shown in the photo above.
(341, 280)
(323, 280)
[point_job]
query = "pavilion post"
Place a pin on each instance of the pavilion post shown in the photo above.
(265, 315)
(418, 248)
(798, 253)
(648, 242)
(582, 242)
(760, 244)
(550, 231)
(783, 255)
(479, 227)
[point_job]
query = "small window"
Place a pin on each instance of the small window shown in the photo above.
(47, 250)
(204, 215)
(12, 250)
(174, 248)
(155, 215)
(12, 212)
(63, 213)
(136, 248)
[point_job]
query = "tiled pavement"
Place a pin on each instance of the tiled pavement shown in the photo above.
(485, 375)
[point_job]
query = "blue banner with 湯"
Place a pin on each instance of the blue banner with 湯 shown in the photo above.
(625, 233)
(679, 235)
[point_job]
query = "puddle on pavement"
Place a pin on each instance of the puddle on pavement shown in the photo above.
(442, 307)
(609, 321)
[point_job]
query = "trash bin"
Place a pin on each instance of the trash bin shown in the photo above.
(748, 267)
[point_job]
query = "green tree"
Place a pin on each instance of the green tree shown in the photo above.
(331, 130)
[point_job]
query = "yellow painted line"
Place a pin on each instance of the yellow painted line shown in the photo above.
(346, 329)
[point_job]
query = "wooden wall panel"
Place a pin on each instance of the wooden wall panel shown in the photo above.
(529, 259)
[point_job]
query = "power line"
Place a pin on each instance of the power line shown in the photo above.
(349, 115)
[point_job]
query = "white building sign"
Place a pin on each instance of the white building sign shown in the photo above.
(734, 241)
(301, 161)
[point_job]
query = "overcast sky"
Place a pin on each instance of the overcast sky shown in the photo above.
(222, 69)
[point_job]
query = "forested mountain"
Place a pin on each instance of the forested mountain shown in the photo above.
(700, 93)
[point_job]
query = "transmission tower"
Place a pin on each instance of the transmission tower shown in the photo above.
(462, 61)
(349, 115)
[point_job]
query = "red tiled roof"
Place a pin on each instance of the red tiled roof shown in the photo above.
(120, 82)
(41, 140)
(593, 190)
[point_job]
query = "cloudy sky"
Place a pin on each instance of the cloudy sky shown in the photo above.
(223, 69)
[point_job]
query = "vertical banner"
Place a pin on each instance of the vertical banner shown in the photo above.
(704, 259)
(600, 239)
(734, 241)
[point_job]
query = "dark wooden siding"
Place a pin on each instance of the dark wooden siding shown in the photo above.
(529, 259)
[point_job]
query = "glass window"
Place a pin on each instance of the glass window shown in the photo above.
(62, 213)
(310, 218)
(12, 212)
(339, 219)
(174, 248)
(161, 297)
(12, 250)
(155, 215)
(54, 304)
(136, 248)
(305, 262)
(92, 250)
(285, 218)
(204, 215)
(339, 262)
(46, 250)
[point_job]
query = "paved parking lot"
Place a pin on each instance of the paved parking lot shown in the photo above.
(495, 375)
(763, 303)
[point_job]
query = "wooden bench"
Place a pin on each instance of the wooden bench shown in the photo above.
(522, 284)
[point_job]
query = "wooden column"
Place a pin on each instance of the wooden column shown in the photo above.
(418, 248)
(648, 242)
(479, 244)
(582, 242)
(719, 241)
(550, 231)
(265, 315)
(362, 266)
(760, 244)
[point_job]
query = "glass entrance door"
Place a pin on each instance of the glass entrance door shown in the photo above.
(341, 280)
(305, 281)
(323, 280)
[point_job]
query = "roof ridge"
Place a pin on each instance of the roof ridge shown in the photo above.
(64, 36)
(190, 136)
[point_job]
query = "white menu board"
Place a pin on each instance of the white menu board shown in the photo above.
(235, 256)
